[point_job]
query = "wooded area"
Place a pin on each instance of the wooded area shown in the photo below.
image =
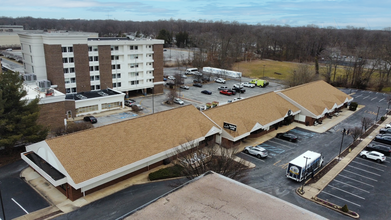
(364, 54)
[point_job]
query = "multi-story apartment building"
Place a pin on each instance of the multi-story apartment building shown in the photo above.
(79, 62)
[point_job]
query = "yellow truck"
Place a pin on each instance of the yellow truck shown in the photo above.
(259, 82)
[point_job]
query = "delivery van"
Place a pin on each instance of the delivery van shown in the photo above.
(191, 71)
(304, 165)
(259, 82)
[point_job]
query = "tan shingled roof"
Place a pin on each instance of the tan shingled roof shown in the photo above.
(94, 152)
(246, 113)
(316, 96)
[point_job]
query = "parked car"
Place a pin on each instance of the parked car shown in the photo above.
(206, 92)
(184, 87)
(233, 91)
(129, 102)
(237, 99)
(385, 130)
(225, 92)
(238, 86)
(287, 136)
(184, 76)
(197, 84)
(201, 108)
(240, 90)
(223, 88)
(191, 71)
(257, 151)
(379, 148)
(91, 119)
(171, 77)
(178, 101)
(138, 106)
(373, 155)
(383, 139)
(220, 80)
(247, 84)
(388, 125)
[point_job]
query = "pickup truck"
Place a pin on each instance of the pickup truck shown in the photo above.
(373, 155)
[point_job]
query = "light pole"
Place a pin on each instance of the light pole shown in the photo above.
(343, 135)
(2, 206)
(378, 108)
(263, 71)
(305, 172)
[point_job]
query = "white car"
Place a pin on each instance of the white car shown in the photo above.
(388, 125)
(171, 77)
(239, 86)
(223, 88)
(184, 87)
(184, 76)
(138, 106)
(178, 101)
(257, 151)
(220, 80)
(247, 84)
(237, 99)
(373, 155)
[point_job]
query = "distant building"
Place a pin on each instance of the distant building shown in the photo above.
(78, 62)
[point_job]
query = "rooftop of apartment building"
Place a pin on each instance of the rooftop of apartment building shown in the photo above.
(92, 94)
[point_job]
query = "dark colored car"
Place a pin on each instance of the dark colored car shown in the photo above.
(91, 119)
(129, 102)
(197, 81)
(383, 139)
(385, 131)
(225, 92)
(379, 148)
(233, 91)
(197, 85)
(240, 90)
(206, 92)
(287, 136)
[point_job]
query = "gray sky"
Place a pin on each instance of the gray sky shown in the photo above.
(323, 13)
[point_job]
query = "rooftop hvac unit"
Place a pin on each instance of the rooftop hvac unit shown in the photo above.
(30, 77)
(44, 84)
(81, 96)
(103, 93)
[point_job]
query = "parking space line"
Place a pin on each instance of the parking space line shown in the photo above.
(346, 192)
(355, 180)
(360, 175)
(373, 98)
(376, 163)
(280, 144)
(351, 186)
(364, 170)
(20, 206)
(276, 163)
(381, 99)
(358, 96)
(341, 198)
(248, 155)
(365, 97)
(368, 166)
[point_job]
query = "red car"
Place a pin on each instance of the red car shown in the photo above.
(225, 92)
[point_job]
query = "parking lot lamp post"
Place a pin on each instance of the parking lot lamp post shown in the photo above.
(378, 108)
(305, 173)
(343, 135)
(1, 201)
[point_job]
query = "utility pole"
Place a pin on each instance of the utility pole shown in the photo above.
(343, 135)
(305, 172)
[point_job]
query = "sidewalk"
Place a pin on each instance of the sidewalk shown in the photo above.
(312, 190)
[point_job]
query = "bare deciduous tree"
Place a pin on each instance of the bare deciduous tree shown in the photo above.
(300, 75)
(366, 123)
(196, 161)
(356, 132)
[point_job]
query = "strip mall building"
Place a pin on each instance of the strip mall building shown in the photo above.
(81, 163)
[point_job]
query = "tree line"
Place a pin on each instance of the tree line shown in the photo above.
(362, 53)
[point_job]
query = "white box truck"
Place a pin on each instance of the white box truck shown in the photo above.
(304, 165)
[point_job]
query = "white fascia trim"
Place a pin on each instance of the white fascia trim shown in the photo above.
(43, 173)
(122, 171)
(211, 120)
(212, 131)
(304, 111)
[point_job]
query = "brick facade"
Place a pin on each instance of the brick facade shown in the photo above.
(158, 67)
(106, 80)
(54, 66)
(53, 114)
(82, 68)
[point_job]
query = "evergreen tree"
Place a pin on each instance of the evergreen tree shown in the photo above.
(18, 117)
(166, 36)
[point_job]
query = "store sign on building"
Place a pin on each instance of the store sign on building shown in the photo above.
(230, 126)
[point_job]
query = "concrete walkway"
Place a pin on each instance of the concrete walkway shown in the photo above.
(61, 205)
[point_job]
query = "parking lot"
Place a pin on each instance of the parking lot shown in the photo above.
(364, 187)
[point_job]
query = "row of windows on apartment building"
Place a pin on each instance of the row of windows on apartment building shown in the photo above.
(95, 48)
(93, 108)
(97, 87)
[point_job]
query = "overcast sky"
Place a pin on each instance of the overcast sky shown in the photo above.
(337, 13)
